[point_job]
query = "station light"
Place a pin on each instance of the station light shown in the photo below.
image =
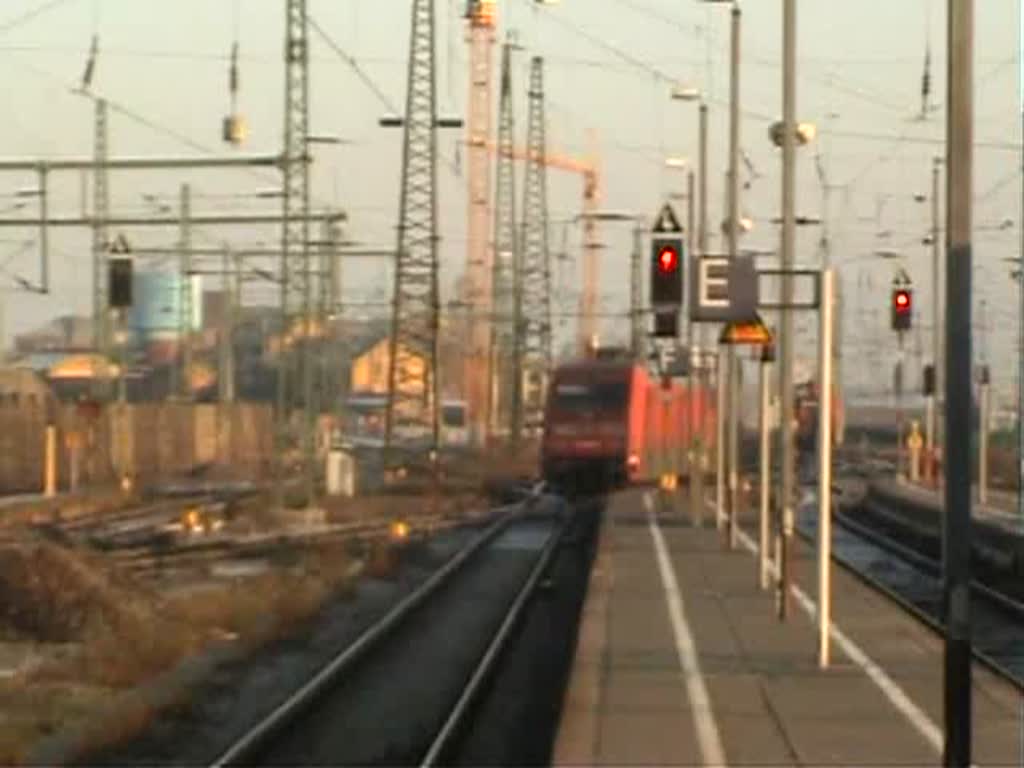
(902, 309)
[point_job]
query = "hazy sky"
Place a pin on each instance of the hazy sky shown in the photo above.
(860, 65)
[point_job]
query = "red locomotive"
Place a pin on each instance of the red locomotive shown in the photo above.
(608, 422)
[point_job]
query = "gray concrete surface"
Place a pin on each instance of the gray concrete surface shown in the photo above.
(628, 702)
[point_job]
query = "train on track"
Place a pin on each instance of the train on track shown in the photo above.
(610, 422)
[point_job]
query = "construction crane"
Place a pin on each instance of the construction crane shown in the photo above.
(589, 169)
(481, 18)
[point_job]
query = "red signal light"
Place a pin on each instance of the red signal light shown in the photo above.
(901, 308)
(668, 259)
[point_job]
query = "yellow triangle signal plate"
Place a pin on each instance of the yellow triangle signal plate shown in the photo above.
(746, 332)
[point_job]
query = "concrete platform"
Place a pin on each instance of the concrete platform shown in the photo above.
(999, 509)
(681, 661)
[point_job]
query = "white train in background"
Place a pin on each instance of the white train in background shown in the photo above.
(365, 422)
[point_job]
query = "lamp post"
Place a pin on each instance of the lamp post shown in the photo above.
(786, 135)
(732, 236)
(697, 225)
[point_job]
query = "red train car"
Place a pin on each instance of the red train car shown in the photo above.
(608, 421)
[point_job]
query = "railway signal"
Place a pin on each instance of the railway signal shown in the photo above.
(666, 272)
(902, 306)
(929, 381)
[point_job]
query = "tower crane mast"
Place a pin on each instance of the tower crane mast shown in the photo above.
(481, 18)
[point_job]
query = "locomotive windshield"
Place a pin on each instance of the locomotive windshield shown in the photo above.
(590, 395)
(453, 415)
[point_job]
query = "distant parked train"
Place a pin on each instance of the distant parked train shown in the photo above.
(609, 421)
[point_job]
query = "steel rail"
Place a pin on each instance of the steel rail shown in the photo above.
(245, 748)
(934, 568)
(919, 563)
(461, 711)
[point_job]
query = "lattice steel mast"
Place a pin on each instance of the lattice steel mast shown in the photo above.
(505, 259)
(534, 289)
(295, 382)
(481, 19)
(414, 390)
(100, 214)
(185, 292)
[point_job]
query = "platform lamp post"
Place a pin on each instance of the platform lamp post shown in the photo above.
(958, 362)
(732, 232)
(694, 458)
(698, 227)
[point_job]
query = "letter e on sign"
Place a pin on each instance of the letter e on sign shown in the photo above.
(714, 283)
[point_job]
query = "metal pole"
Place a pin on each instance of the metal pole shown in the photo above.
(122, 344)
(207, 220)
(99, 223)
(786, 334)
(827, 312)
(636, 293)
(702, 247)
(103, 162)
(734, 442)
(227, 350)
(935, 418)
(50, 470)
(702, 180)
(984, 408)
(720, 378)
(1020, 353)
(1020, 358)
(929, 438)
(692, 375)
(957, 523)
(904, 456)
(691, 238)
(692, 463)
(733, 232)
(766, 463)
(44, 230)
(185, 296)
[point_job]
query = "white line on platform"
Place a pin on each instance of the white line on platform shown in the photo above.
(889, 687)
(689, 662)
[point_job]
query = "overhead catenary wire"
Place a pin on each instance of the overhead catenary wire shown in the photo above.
(27, 16)
(154, 125)
(369, 82)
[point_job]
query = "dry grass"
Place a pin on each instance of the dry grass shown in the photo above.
(125, 637)
(49, 593)
(31, 713)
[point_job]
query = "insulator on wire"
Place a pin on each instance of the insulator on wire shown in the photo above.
(234, 127)
(90, 64)
(233, 74)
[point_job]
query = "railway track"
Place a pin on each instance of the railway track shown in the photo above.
(207, 550)
(406, 688)
(914, 582)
